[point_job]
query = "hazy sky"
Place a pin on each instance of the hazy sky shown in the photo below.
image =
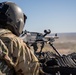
(56, 15)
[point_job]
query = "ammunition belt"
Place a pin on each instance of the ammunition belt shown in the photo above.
(66, 61)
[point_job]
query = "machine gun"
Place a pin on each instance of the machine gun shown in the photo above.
(51, 63)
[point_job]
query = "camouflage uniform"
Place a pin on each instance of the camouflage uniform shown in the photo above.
(22, 59)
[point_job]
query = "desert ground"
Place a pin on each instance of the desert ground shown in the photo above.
(65, 44)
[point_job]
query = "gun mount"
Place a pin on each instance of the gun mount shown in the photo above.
(53, 64)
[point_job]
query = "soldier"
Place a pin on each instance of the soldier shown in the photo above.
(12, 49)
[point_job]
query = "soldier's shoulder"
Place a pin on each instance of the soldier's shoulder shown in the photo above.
(14, 37)
(11, 37)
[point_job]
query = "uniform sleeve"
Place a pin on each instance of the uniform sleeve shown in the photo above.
(15, 50)
(3, 49)
(24, 60)
(4, 53)
(20, 51)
